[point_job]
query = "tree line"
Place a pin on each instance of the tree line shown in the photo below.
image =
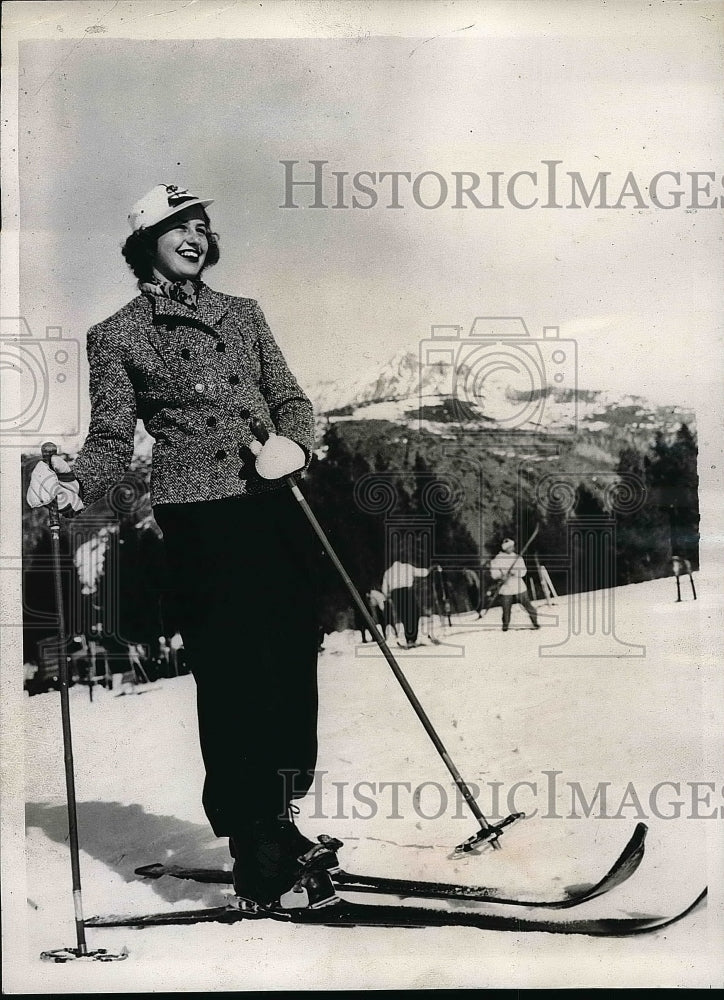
(382, 492)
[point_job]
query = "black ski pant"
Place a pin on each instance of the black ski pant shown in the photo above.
(404, 601)
(243, 573)
(507, 601)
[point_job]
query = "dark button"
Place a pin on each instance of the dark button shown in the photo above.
(234, 379)
(186, 354)
(211, 421)
(221, 347)
(244, 414)
(221, 454)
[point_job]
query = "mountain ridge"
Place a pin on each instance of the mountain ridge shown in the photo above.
(408, 391)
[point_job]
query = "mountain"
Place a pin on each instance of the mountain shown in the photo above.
(502, 391)
(499, 390)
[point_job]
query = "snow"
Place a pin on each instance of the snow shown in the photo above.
(505, 713)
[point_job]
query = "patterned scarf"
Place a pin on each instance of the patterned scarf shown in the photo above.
(185, 292)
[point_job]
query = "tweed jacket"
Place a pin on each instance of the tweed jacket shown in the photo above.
(195, 378)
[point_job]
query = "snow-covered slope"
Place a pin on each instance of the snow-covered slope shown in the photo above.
(507, 714)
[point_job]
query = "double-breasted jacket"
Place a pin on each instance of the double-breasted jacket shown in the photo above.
(195, 377)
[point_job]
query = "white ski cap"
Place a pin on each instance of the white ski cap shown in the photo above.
(160, 203)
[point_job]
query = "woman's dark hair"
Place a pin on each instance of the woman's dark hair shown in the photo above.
(140, 248)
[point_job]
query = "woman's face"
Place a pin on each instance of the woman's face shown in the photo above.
(182, 246)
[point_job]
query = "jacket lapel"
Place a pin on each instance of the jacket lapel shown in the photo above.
(212, 306)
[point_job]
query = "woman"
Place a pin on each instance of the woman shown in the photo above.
(510, 569)
(195, 366)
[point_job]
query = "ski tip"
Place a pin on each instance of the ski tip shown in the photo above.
(151, 871)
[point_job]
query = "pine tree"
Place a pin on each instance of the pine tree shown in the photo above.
(674, 482)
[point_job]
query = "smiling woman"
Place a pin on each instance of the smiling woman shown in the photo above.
(174, 247)
(182, 246)
(196, 365)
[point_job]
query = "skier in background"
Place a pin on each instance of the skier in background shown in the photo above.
(398, 584)
(682, 567)
(510, 568)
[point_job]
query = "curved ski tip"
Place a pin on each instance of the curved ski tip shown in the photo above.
(698, 903)
(699, 899)
(151, 871)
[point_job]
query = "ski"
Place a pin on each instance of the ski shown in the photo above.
(346, 914)
(622, 869)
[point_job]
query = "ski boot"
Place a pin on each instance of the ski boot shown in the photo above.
(262, 869)
(312, 891)
(322, 856)
(272, 856)
(319, 856)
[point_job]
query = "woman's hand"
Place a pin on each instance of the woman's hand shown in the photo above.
(56, 483)
(279, 456)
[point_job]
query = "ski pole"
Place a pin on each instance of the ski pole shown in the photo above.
(47, 451)
(488, 833)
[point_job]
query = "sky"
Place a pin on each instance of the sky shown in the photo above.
(103, 119)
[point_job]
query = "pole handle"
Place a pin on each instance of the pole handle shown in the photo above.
(47, 450)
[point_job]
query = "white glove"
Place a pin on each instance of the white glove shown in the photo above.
(45, 486)
(278, 456)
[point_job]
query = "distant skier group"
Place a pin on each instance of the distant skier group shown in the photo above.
(396, 608)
